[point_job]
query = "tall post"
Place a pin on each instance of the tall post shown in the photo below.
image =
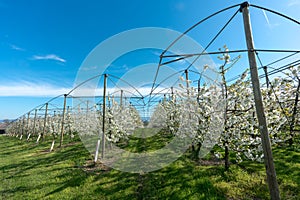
(23, 125)
(44, 127)
(34, 122)
(187, 81)
(87, 109)
(268, 157)
(109, 98)
(98, 141)
(292, 124)
(27, 126)
(103, 117)
(19, 127)
(63, 121)
(103, 125)
(69, 118)
(121, 99)
(266, 74)
(198, 90)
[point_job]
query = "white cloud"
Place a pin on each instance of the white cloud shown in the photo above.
(268, 21)
(128, 91)
(157, 53)
(49, 57)
(180, 6)
(293, 3)
(15, 47)
(266, 17)
(91, 68)
(32, 90)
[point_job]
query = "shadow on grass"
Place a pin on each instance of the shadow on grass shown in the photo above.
(29, 172)
(181, 180)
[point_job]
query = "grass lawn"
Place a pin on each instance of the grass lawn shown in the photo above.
(29, 171)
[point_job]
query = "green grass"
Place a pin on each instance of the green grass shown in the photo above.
(144, 144)
(29, 171)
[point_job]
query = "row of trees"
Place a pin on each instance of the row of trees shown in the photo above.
(237, 130)
(221, 113)
(120, 122)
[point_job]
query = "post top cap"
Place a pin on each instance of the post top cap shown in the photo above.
(244, 5)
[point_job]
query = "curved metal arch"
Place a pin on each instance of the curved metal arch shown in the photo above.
(126, 83)
(277, 13)
(195, 25)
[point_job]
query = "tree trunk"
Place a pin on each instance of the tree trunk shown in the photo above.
(226, 156)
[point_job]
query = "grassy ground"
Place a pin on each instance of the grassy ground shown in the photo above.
(29, 171)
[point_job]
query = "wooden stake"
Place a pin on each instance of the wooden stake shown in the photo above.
(52, 145)
(97, 149)
(87, 106)
(23, 125)
(44, 127)
(63, 121)
(187, 81)
(268, 157)
(198, 90)
(292, 125)
(34, 122)
(103, 118)
(19, 127)
(27, 126)
(103, 125)
(121, 99)
(266, 74)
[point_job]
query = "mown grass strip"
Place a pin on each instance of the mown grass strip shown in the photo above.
(29, 171)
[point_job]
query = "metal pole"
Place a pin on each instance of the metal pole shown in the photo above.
(268, 157)
(63, 121)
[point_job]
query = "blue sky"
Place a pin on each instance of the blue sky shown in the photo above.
(43, 43)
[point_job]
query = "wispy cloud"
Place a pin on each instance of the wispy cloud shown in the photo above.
(180, 6)
(125, 67)
(115, 91)
(31, 89)
(268, 21)
(294, 3)
(157, 53)
(15, 47)
(90, 68)
(266, 17)
(49, 57)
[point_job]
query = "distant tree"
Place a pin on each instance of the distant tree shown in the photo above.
(6, 122)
